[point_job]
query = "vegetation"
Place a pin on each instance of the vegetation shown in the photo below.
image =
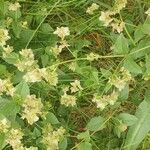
(75, 74)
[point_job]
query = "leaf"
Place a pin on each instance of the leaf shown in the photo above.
(85, 146)
(9, 108)
(12, 58)
(121, 45)
(132, 66)
(138, 131)
(22, 89)
(84, 135)
(46, 28)
(2, 140)
(44, 59)
(147, 95)
(63, 144)
(50, 117)
(127, 119)
(95, 123)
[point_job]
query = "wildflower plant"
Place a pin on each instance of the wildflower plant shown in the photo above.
(74, 75)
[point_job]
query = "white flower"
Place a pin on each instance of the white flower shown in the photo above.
(14, 139)
(68, 100)
(118, 26)
(27, 53)
(90, 10)
(106, 17)
(72, 66)
(33, 76)
(75, 86)
(14, 6)
(32, 109)
(92, 56)
(4, 125)
(62, 32)
(119, 5)
(148, 12)
(7, 50)
(4, 37)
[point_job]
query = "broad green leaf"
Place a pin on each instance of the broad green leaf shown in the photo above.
(3, 69)
(46, 28)
(85, 146)
(121, 45)
(95, 123)
(23, 89)
(63, 144)
(16, 29)
(127, 119)
(132, 66)
(138, 34)
(50, 117)
(12, 58)
(138, 131)
(84, 135)
(9, 108)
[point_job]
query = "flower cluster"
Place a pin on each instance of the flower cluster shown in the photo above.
(107, 16)
(61, 32)
(3, 37)
(14, 139)
(7, 87)
(121, 81)
(103, 101)
(52, 138)
(26, 61)
(4, 125)
(68, 100)
(14, 6)
(75, 86)
(93, 56)
(32, 109)
(90, 10)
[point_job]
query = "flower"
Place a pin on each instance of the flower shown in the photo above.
(31, 148)
(68, 100)
(62, 32)
(14, 139)
(24, 24)
(49, 75)
(32, 109)
(14, 6)
(105, 18)
(101, 102)
(72, 66)
(4, 125)
(27, 54)
(75, 86)
(52, 138)
(119, 5)
(7, 50)
(118, 26)
(33, 76)
(148, 12)
(90, 10)
(4, 37)
(92, 56)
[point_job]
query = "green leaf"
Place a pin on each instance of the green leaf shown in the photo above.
(9, 108)
(12, 58)
(63, 144)
(85, 146)
(44, 59)
(138, 131)
(50, 117)
(2, 140)
(147, 95)
(46, 28)
(23, 89)
(121, 45)
(84, 135)
(95, 124)
(132, 66)
(16, 29)
(127, 119)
